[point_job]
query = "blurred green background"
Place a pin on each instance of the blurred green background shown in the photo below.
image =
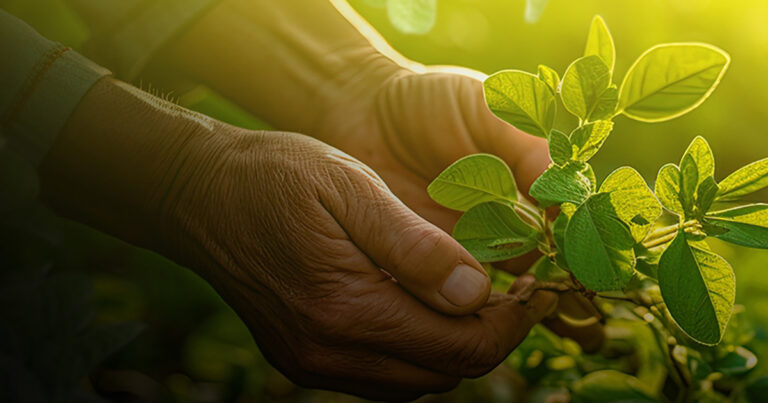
(193, 347)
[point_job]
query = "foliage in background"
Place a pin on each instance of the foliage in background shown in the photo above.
(602, 238)
(194, 348)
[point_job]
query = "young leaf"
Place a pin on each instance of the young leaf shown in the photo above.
(701, 154)
(534, 9)
(633, 201)
(598, 246)
(560, 147)
(588, 139)
(745, 225)
(472, 180)
(522, 100)
(689, 182)
(609, 385)
(705, 194)
(670, 80)
(600, 42)
(667, 188)
(493, 232)
(606, 104)
(583, 85)
(698, 288)
(415, 17)
(561, 184)
(744, 181)
(550, 77)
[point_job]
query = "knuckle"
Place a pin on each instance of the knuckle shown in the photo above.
(416, 243)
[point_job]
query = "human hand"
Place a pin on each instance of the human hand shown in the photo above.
(413, 125)
(295, 234)
(302, 240)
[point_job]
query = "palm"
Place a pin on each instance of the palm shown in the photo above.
(418, 124)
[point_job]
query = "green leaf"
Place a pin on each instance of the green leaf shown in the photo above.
(703, 158)
(583, 84)
(600, 42)
(472, 180)
(609, 385)
(588, 139)
(534, 9)
(558, 230)
(605, 108)
(545, 270)
(493, 232)
(561, 184)
(698, 288)
(745, 225)
(415, 17)
(550, 77)
(667, 188)
(744, 181)
(598, 246)
(522, 100)
(560, 147)
(689, 182)
(705, 194)
(670, 80)
(633, 201)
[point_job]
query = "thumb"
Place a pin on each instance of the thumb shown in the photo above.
(423, 259)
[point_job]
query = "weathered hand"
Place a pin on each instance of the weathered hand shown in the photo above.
(413, 125)
(302, 240)
(416, 124)
(297, 237)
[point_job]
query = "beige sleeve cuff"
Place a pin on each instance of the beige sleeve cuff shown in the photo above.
(41, 84)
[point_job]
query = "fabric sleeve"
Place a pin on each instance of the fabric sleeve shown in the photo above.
(41, 83)
(126, 36)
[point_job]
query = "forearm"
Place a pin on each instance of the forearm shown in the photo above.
(118, 162)
(288, 61)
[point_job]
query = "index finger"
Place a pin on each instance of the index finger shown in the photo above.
(399, 325)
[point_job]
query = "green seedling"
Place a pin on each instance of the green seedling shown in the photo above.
(605, 241)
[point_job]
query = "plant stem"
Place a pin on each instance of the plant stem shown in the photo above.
(659, 241)
(666, 234)
(618, 298)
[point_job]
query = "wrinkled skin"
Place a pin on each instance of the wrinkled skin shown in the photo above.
(295, 240)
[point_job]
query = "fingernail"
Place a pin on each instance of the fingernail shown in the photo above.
(464, 286)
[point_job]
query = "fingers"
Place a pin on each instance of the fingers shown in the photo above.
(423, 259)
(466, 346)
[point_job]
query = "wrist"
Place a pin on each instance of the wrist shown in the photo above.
(118, 159)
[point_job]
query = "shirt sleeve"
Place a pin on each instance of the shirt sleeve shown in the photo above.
(41, 83)
(126, 36)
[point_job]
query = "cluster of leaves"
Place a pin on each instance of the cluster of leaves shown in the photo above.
(605, 238)
(418, 17)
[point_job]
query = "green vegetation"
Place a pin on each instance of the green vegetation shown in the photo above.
(605, 242)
